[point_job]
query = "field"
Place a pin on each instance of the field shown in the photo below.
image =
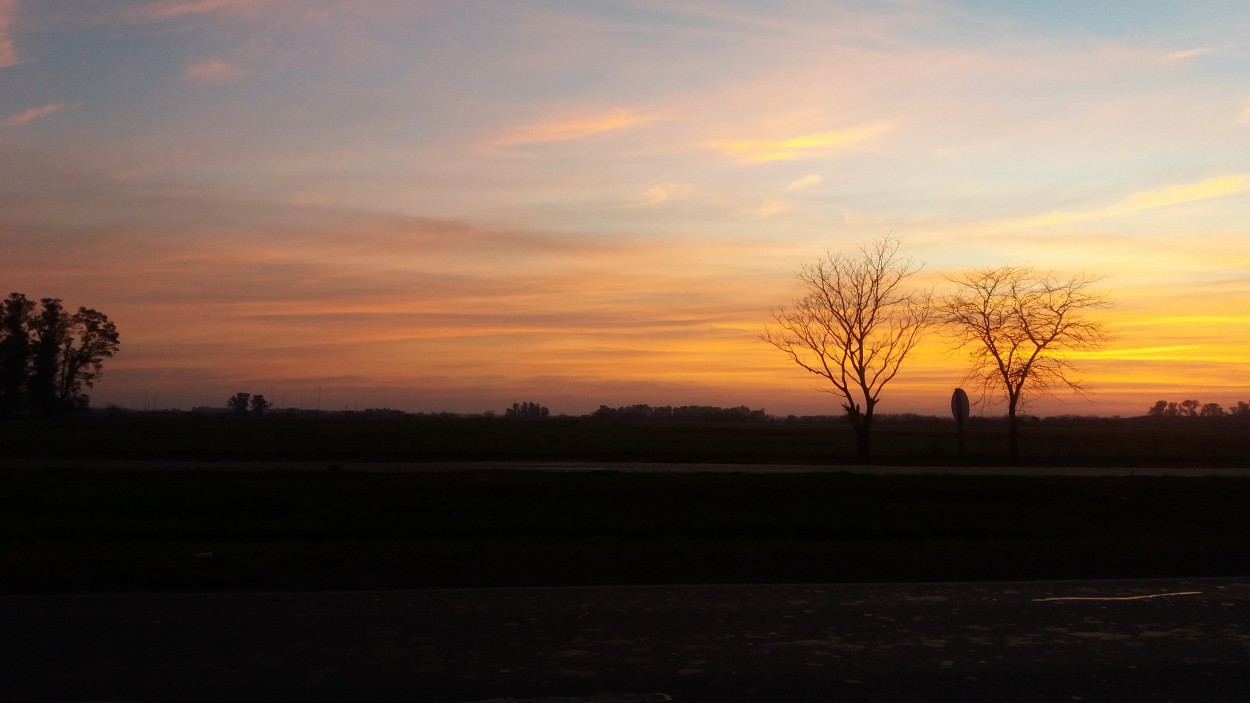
(1142, 441)
(78, 530)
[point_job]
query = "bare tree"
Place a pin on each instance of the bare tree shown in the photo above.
(1020, 326)
(854, 326)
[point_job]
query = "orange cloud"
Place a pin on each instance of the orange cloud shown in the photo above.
(30, 115)
(8, 54)
(808, 146)
(1150, 199)
(214, 70)
(567, 129)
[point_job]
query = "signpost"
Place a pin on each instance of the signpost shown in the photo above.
(959, 408)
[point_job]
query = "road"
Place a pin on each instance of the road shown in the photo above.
(625, 467)
(1158, 640)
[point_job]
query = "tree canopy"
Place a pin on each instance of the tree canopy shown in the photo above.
(853, 326)
(49, 358)
(1019, 327)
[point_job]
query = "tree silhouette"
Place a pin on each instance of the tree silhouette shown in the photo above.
(49, 357)
(51, 327)
(259, 405)
(854, 326)
(239, 403)
(1019, 326)
(91, 339)
(1212, 410)
(527, 410)
(15, 351)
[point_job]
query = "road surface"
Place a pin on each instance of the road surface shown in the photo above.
(1159, 640)
(625, 467)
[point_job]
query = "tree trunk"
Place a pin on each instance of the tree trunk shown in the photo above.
(863, 445)
(1013, 434)
(861, 423)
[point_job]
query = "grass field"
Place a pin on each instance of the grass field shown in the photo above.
(68, 530)
(358, 437)
(78, 530)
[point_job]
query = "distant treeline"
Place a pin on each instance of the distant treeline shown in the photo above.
(660, 414)
(1194, 408)
(691, 413)
(734, 437)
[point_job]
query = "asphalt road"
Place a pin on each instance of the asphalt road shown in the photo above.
(624, 467)
(1160, 640)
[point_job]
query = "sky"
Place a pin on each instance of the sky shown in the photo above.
(455, 206)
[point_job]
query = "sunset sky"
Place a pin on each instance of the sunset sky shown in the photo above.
(459, 205)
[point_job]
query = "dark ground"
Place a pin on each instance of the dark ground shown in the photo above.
(849, 642)
(381, 437)
(270, 585)
(78, 530)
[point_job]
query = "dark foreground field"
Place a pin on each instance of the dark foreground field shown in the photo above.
(81, 530)
(370, 437)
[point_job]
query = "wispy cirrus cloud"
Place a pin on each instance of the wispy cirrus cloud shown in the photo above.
(8, 53)
(807, 181)
(1149, 199)
(214, 70)
(168, 9)
(1187, 53)
(808, 146)
(563, 129)
(661, 193)
(770, 207)
(31, 115)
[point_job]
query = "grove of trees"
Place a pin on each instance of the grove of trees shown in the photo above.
(50, 357)
(856, 323)
(244, 403)
(683, 413)
(1193, 408)
(527, 410)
